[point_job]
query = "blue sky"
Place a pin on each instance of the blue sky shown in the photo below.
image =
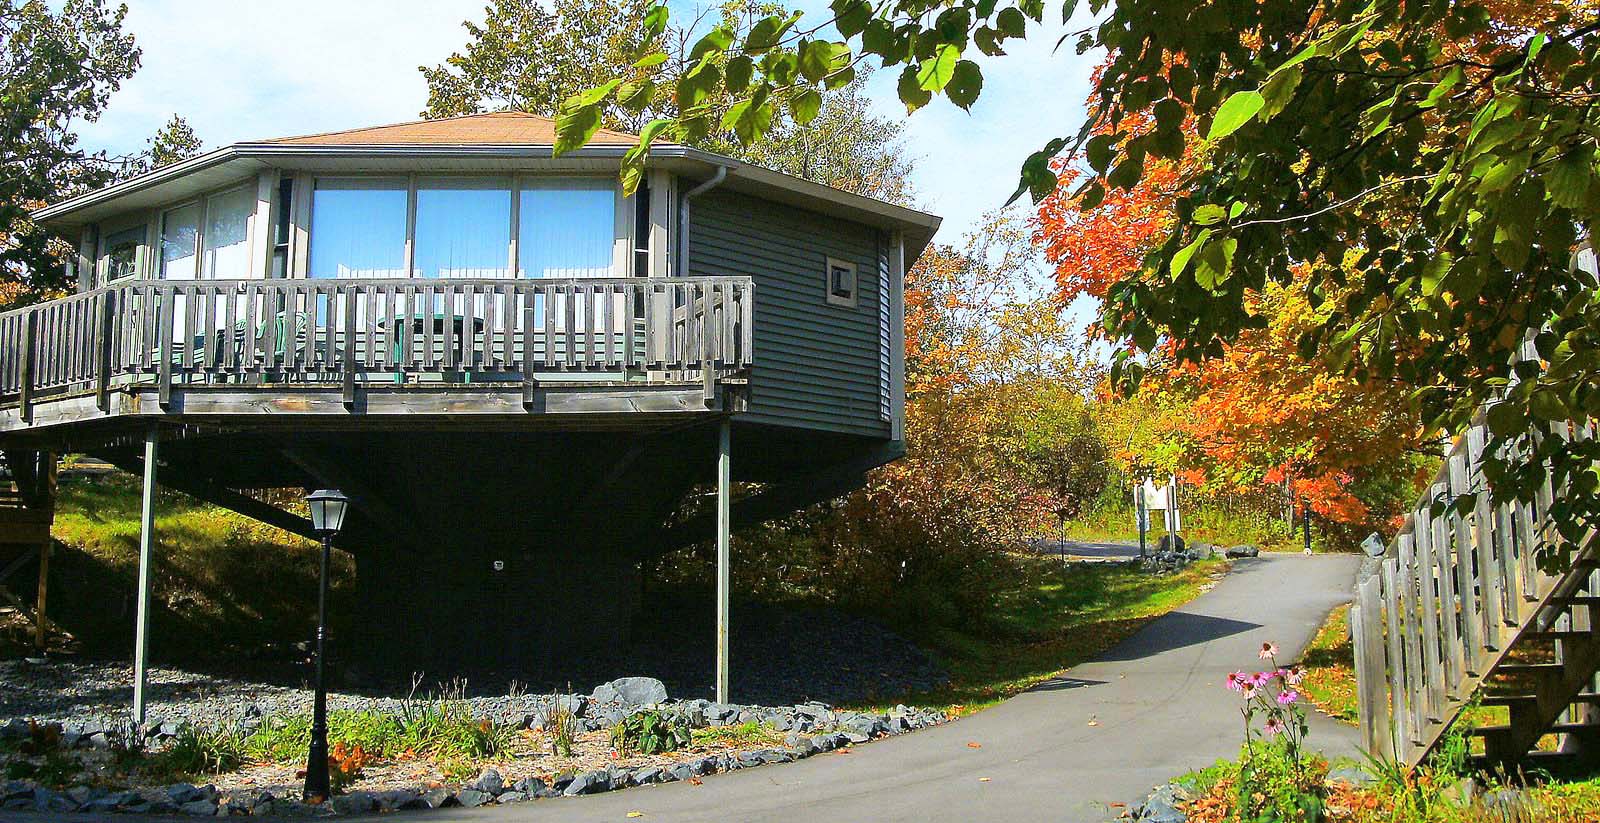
(241, 71)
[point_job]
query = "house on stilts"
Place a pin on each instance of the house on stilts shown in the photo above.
(515, 371)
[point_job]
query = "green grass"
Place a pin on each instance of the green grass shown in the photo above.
(1208, 524)
(1330, 682)
(1053, 618)
(225, 583)
(748, 733)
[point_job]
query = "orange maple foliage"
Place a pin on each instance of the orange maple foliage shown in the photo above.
(1258, 414)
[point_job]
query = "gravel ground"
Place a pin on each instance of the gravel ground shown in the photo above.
(780, 657)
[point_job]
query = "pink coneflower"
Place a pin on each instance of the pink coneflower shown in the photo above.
(1274, 726)
(1249, 689)
(1236, 680)
(1286, 697)
(1261, 678)
(1269, 651)
(1294, 676)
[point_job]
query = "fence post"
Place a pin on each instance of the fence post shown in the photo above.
(25, 366)
(1366, 622)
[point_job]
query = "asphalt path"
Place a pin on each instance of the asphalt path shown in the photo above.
(1101, 734)
(1080, 747)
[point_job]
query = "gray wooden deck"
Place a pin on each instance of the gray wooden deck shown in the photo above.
(423, 349)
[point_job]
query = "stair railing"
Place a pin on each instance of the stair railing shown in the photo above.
(1453, 593)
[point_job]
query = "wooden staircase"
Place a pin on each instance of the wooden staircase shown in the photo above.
(1459, 614)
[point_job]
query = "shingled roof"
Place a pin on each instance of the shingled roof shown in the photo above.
(501, 128)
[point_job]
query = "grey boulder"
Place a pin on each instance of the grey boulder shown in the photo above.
(632, 691)
(1245, 550)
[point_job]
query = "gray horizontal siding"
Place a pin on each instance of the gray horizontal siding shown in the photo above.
(817, 365)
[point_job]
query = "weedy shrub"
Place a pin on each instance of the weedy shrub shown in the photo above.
(126, 741)
(443, 724)
(1420, 793)
(203, 750)
(43, 738)
(650, 732)
(748, 733)
(345, 766)
(560, 725)
(440, 726)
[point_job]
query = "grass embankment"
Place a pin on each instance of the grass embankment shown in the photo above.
(224, 583)
(1201, 524)
(1053, 618)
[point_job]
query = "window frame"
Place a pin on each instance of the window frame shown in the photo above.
(251, 189)
(846, 301)
(622, 231)
(102, 257)
(158, 226)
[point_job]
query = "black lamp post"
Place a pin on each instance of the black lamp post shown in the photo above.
(328, 507)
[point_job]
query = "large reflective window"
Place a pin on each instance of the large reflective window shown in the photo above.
(179, 228)
(463, 227)
(227, 238)
(358, 228)
(566, 227)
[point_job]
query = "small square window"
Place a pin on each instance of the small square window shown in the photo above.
(121, 253)
(841, 283)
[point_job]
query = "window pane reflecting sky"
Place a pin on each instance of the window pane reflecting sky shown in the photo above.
(566, 228)
(463, 228)
(358, 228)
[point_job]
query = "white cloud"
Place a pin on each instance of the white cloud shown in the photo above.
(242, 70)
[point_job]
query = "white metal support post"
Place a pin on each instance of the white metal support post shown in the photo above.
(724, 525)
(147, 528)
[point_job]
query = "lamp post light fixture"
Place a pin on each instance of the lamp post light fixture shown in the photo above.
(328, 507)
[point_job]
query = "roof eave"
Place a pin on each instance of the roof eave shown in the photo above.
(919, 226)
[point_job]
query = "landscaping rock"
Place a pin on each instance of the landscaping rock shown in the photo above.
(472, 798)
(1202, 551)
(14, 729)
(1169, 543)
(1351, 775)
(489, 781)
(45, 800)
(1245, 550)
(199, 808)
(530, 786)
(631, 691)
(397, 799)
(1163, 806)
(354, 803)
(588, 783)
(435, 798)
(645, 775)
(510, 797)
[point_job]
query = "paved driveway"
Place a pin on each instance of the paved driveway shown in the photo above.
(1102, 733)
(1098, 735)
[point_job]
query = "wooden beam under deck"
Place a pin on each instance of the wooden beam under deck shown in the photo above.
(556, 405)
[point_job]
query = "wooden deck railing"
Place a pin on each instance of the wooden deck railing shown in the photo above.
(1455, 592)
(374, 332)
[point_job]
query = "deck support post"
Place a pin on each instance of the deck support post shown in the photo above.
(147, 522)
(724, 526)
(41, 634)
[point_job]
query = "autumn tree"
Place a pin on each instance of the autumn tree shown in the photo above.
(534, 57)
(1258, 414)
(1447, 148)
(57, 68)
